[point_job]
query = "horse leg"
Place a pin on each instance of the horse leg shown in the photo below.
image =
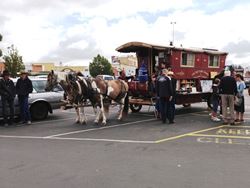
(120, 113)
(97, 116)
(83, 116)
(78, 114)
(104, 122)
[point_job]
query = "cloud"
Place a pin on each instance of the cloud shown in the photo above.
(240, 48)
(73, 30)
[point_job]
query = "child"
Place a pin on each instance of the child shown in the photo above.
(215, 100)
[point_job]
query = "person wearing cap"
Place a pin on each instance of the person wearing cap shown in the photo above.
(228, 91)
(165, 93)
(7, 92)
(172, 102)
(23, 89)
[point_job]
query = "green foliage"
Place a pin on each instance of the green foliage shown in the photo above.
(100, 65)
(13, 61)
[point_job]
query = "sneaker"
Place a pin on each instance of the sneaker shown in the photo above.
(29, 122)
(210, 114)
(5, 125)
(215, 119)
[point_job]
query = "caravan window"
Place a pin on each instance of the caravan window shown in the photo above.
(187, 59)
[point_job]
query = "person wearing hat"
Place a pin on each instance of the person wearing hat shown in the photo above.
(7, 92)
(23, 88)
(172, 102)
(165, 93)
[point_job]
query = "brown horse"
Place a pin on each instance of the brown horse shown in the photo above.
(110, 90)
(66, 80)
(98, 91)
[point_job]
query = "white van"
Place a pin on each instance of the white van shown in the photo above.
(106, 77)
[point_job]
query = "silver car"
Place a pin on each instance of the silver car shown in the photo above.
(41, 102)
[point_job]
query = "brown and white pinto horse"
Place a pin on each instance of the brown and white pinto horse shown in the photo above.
(110, 90)
(98, 91)
(65, 80)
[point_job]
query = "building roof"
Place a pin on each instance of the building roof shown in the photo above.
(136, 46)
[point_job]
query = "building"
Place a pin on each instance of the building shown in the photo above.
(45, 67)
(128, 64)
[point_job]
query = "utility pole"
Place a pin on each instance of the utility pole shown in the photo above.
(173, 23)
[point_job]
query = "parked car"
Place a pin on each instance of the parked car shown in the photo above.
(106, 77)
(41, 102)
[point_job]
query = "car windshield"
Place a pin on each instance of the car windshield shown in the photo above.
(39, 85)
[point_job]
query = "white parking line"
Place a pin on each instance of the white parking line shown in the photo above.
(104, 140)
(101, 128)
(79, 139)
(14, 136)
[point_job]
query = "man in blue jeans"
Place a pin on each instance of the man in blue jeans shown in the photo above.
(23, 89)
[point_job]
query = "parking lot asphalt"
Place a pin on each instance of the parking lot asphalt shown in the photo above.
(139, 151)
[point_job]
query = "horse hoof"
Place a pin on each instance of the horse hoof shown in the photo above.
(104, 123)
(77, 121)
(83, 122)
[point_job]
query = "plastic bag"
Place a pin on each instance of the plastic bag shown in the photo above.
(238, 101)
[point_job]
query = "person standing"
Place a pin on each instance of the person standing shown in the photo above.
(165, 93)
(23, 88)
(8, 93)
(240, 109)
(215, 99)
(172, 102)
(228, 90)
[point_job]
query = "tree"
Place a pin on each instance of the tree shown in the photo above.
(100, 65)
(1, 37)
(13, 61)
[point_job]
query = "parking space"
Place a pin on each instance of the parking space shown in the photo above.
(136, 128)
(139, 151)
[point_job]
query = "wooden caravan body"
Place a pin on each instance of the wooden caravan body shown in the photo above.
(193, 67)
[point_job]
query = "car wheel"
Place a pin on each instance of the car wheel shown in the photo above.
(135, 107)
(186, 105)
(39, 111)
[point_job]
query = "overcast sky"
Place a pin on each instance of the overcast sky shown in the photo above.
(74, 31)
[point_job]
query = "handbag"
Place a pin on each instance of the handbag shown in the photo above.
(238, 101)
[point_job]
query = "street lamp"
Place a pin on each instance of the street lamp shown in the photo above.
(173, 23)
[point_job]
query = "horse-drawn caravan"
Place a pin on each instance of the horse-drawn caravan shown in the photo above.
(193, 68)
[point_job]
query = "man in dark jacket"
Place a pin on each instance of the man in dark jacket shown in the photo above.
(172, 102)
(23, 89)
(228, 90)
(165, 93)
(7, 92)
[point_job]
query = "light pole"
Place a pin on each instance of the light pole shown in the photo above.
(173, 23)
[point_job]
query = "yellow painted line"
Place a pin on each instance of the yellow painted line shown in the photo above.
(237, 126)
(219, 136)
(187, 134)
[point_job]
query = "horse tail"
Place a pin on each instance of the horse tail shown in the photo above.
(126, 103)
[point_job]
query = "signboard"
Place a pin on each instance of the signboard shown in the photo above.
(206, 85)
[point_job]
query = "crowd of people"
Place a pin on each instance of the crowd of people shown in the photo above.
(228, 93)
(8, 92)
